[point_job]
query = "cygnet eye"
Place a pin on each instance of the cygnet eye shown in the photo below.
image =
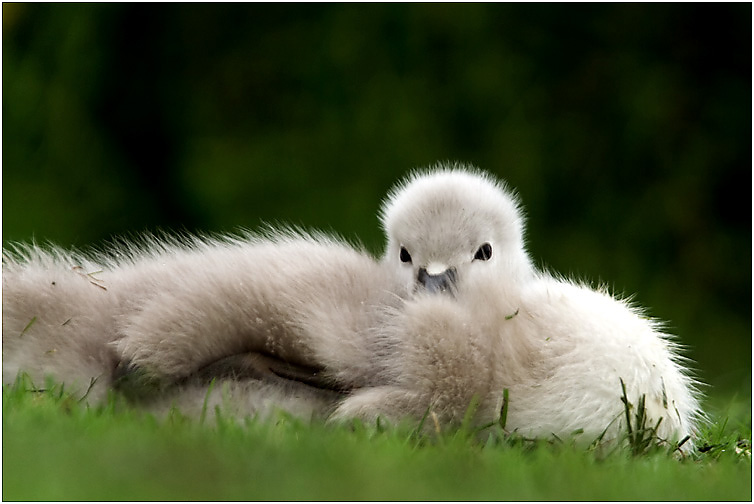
(484, 252)
(405, 256)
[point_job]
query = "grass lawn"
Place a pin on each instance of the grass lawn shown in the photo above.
(57, 449)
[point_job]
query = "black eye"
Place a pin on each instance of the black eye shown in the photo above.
(405, 256)
(484, 252)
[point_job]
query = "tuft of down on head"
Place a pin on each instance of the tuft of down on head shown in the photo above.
(451, 221)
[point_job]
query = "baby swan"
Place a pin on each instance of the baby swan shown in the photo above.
(561, 349)
(149, 317)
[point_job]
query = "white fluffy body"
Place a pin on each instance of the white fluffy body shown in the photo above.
(171, 307)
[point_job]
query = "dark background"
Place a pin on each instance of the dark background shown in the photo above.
(626, 129)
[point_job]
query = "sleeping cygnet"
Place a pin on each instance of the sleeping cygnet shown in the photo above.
(279, 319)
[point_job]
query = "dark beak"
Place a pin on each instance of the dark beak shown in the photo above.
(442, 282)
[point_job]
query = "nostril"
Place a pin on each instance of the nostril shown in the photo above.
(451, 275)
(422, 276)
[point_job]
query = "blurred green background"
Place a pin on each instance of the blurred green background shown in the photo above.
(626, 129)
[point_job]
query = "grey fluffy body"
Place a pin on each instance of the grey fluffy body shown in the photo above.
(378, 343)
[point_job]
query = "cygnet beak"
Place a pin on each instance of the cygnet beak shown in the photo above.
(440, 282)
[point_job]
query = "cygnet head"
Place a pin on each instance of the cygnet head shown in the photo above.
(448, 224)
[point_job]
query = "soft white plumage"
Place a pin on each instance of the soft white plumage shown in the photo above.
(168, 308)
(454, 310)
(561, 349)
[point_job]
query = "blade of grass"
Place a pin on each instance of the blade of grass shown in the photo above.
(206, 402)
(31, 323)
(504, 410)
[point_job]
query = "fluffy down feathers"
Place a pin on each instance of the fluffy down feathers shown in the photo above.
(170, 308)
(453, 311)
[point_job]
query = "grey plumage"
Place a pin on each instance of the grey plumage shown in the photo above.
(452, 311)
(159, 312)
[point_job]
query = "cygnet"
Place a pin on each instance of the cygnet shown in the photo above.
(563, 351)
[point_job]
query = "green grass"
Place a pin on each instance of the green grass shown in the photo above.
(54, 448)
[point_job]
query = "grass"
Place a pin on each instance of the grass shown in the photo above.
(55, 448)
